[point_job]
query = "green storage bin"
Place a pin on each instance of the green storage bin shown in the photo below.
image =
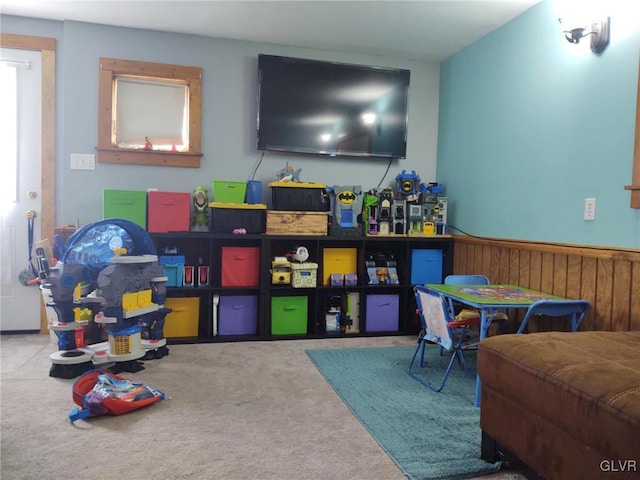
(289, 315)
(126, 204)
(229, 192)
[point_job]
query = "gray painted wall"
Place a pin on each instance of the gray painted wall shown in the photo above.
(228, 114)
(527, 126)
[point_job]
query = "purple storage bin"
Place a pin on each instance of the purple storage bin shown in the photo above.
(382, 313)
(238, 315)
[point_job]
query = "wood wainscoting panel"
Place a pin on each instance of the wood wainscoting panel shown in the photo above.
(634, 313)
(620, 311)
(608, 277)
(588, 282)
(604, 294)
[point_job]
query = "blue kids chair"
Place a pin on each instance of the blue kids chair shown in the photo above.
(576, 309)
(440, 328)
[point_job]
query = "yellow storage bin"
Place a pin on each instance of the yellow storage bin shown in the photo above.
(183, 320)
(338, 260)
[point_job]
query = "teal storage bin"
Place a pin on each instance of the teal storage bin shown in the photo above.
(173, 266)
(289, 315)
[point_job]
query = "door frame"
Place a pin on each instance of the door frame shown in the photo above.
(47, 48)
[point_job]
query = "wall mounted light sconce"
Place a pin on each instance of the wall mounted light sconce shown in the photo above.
(598, 31)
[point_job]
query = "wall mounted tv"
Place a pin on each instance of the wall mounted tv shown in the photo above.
(327, 108)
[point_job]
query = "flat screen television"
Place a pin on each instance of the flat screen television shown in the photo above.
(328, 108)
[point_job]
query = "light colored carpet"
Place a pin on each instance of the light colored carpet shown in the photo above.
(246, 410)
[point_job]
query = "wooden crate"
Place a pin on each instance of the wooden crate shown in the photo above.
(284, 222)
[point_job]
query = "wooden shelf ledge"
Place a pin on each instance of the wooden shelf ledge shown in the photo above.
(149, 157)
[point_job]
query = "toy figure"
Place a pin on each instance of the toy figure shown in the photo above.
(298, 254)
(346, 209)
(370, 213)
(147, 144)
(200, 206)
(280, 271)
(408, 186)
(288, 174)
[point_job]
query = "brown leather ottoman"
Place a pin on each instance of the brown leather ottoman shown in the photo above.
(566, 404)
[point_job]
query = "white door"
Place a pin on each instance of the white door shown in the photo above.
(19, 304)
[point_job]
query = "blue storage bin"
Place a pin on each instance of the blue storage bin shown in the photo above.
(254, 191)
(173, 266)
(426, 266)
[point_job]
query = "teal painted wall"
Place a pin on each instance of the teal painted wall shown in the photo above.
(530, 125)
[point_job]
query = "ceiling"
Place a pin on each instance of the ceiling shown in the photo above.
(424, 30)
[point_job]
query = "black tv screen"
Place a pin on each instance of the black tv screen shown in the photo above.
(327, 108)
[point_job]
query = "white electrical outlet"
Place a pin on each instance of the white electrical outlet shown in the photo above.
(589, 208)
(83, 161)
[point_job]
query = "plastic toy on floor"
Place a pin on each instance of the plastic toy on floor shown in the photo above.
(102, 393)
(108, 280)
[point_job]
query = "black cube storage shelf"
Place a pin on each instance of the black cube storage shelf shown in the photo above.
(428, 257)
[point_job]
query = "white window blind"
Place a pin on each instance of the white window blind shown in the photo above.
(153, 109)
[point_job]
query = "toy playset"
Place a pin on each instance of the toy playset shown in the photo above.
(346, 210)
(108, 283)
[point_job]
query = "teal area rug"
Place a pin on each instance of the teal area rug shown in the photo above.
(429, 435)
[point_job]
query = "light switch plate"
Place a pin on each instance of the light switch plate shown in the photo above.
(83, 161)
